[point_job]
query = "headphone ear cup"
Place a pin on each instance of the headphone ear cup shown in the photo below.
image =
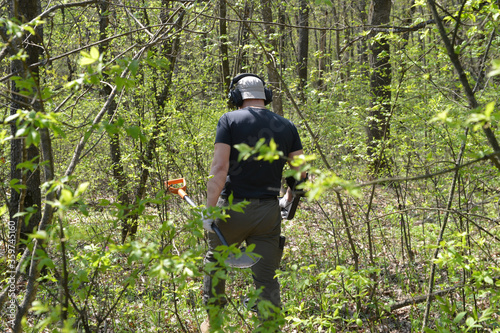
(269, 96)
(235, 98)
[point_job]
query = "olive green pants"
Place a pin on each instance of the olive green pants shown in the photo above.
(260, 224)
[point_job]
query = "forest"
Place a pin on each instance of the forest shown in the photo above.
(395, 101)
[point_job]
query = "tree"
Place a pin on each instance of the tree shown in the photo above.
(29, 198)
(272, 43)
(380, 86)
(226, 75)
(122, 187)
(29, 131)
(303, 47)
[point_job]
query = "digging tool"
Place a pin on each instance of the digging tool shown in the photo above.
(289, 213)
(178, 186)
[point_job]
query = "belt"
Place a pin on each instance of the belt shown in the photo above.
(225, 197)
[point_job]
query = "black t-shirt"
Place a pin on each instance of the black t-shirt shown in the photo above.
(251, 178)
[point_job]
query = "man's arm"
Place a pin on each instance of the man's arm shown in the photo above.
(289, 195)
(218, 173)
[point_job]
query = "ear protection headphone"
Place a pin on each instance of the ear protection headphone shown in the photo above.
(235, 97)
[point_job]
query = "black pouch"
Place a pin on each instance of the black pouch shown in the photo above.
(282, 242)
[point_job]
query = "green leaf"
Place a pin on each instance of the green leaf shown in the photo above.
(66, 196)
(29, 29)
(39, 308)
(85, 61)
(89, 58)
(245, 151)
(488, 110)
(134, 131)
(470, 322)
(459, 317)
(496, 68)
(11, 118)
(46, 262)
(81, 188)
(94, 52)
(40, 234)
(134, 66)
(3, 210)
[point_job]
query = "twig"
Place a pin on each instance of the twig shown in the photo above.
(441, 233)
(431, 175)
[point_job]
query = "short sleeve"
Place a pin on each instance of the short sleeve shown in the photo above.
(223, 132)
(296, 143)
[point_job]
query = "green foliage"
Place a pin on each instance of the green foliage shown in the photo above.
(262, 151)
(28, 124)
(153, 282)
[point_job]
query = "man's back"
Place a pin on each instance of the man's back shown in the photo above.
(251, 178)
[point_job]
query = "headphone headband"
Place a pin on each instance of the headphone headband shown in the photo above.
(238, 77)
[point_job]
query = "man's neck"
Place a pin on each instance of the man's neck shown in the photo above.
(255, 103)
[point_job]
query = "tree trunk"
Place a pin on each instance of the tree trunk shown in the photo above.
(322, 60)
(303, 47)
(24, 11)
(114, 138)
(243, 38)
(274, 81)
(226, 75)
(380, 86)
(30, 198)
(362, 48)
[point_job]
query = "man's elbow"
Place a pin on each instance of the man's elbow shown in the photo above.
(219, 169)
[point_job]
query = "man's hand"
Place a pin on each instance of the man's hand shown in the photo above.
(285, 206)
(207, 223)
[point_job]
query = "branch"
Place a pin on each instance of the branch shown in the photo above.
(431, 175)
(421, 299)
(64, 6)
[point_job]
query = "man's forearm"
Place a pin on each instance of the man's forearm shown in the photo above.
(214, 187)
(218, 173)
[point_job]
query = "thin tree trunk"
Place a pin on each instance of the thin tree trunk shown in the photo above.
(441, 234)
(408, 21)
(282, 40)
(226, 75)
(114, 138)
(243, 37)
(29, 197)
(273, 79)
(380, 86)
(363, 54)
(170, 50)
(303, 47)
(322, 53)
(336, 19)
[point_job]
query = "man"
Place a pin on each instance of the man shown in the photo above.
(255, 181)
